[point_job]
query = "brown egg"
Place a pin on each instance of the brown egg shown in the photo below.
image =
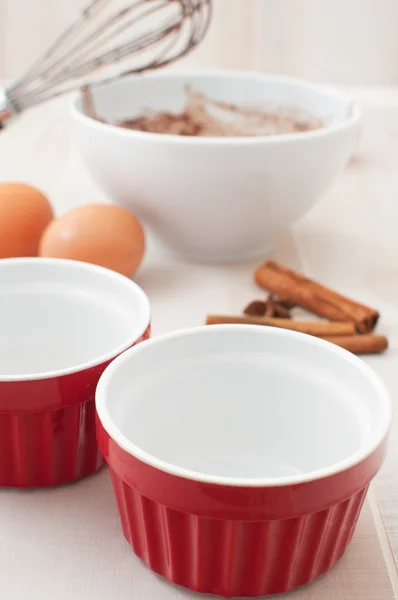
(101, 234)
(24, 214)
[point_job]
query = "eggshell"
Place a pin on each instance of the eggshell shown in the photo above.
(24, 214)
(101, 234)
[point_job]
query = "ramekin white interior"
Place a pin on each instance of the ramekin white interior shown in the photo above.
(243, 405)
(59, 316)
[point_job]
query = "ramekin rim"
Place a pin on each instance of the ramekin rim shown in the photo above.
(171, 469)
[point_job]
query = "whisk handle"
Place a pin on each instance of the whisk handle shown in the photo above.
(6, 108)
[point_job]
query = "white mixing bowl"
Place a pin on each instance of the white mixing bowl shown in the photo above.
(216, 199)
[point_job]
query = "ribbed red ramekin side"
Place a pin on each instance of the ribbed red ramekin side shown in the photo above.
(48, 448)
(235, 558)
(48, 430)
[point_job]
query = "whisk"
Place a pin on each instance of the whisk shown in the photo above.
(110, 39)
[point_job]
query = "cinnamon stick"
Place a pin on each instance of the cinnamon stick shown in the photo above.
(317, 328)
(361, 344)
(289, 304)
(315, 297)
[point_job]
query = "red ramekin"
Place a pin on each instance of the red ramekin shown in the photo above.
(172, 411)
(52, 315)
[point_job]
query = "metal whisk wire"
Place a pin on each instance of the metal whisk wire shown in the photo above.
(106, 43)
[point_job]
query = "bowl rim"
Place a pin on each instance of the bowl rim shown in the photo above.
(101, 401)
(104, 358)
(355, 113)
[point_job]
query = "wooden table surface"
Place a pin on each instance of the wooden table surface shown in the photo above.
(66, 543)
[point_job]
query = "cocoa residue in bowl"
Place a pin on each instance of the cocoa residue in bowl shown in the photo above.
(205, 117)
